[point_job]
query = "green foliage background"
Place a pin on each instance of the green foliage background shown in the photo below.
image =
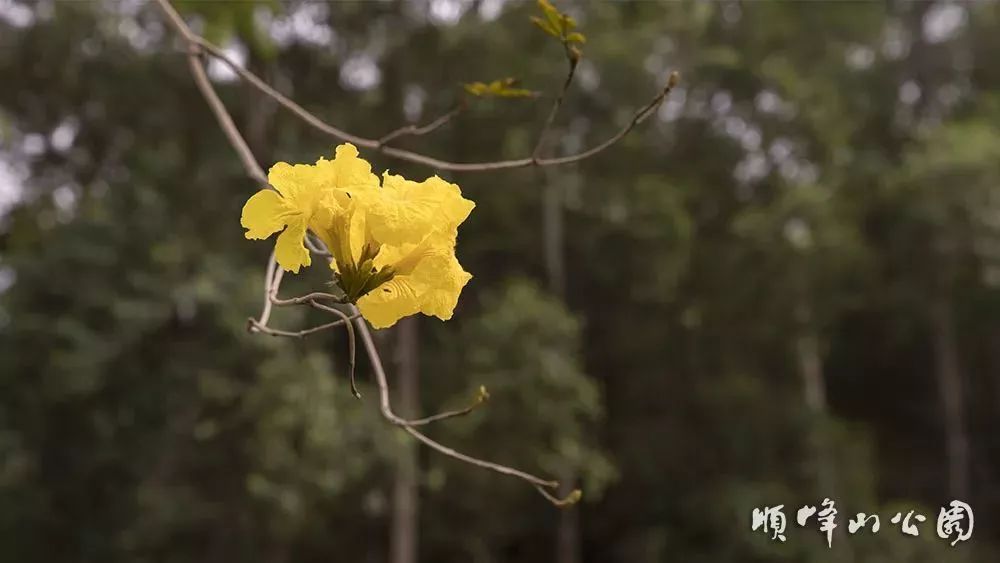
(826, 171)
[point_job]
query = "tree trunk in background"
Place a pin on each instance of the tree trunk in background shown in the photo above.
(404, 528)
(949, 379)
(810, 361)
(942, 322)
(568, 531)
(405, 525)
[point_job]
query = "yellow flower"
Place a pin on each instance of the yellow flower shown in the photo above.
(394, 248)
(426, 278)
(304, 200)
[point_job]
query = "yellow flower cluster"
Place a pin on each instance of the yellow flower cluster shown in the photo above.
(393, 243)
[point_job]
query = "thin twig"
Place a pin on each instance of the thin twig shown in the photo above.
(376, 144)
(573, 62)
(351, 345)
(638, 117)
(269, 283)
(272, 283)
(306, 298)
(225, 120)
(208, 92)
(260, 327)
(572, 498)
(387, 412)
(315, 245)
(414, 130)
(447, 414)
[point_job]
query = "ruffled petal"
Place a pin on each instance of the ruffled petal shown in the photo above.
(442, 279)
(453, 209)
(391, 301)
(406, 212)
(428, 280)
(289, 251)
(353, 173)
(263, 214)
(347, 172)
(300, 184)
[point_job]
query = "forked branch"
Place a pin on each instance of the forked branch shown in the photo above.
(197, 43)
(196, 46)
(407, 425)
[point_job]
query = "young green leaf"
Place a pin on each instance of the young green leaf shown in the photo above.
(559, 25)
(546, 26)
(505, 88)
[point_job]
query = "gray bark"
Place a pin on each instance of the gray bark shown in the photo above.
(405, 525)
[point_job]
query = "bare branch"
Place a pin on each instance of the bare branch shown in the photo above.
(270, 289)
(573, 62)
(414, 130)
(261, 327)
(480, 400)
(271, 286)
(638, 117)
(377, 144)
(351, 346)
(572, 498)
(307, 298)
(387, 412)
(315, 245)
(225, 120)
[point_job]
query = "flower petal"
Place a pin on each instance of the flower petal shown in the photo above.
(300, 184)
(352, 172)
(406, 212)
(263, 214)
(453, 208)
(289, 251)
(428, 280)
(391, 301)
(443, 279)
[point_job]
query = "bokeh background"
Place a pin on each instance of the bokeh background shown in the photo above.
(784, 286)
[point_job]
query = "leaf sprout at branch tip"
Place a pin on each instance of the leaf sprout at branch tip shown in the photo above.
(504, 88)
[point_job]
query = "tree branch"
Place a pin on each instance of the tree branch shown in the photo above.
(351, 347)
(407, 425)
(315, 245)
(261, 327)
(273, 274)
(573, 62)
(480, 400)
(414, 130)
(307, 298)
(377, 144)
(271, 281)
(208, 92)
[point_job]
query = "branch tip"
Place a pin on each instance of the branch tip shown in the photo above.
(565, 502)
(673, 80)
(257, 174)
